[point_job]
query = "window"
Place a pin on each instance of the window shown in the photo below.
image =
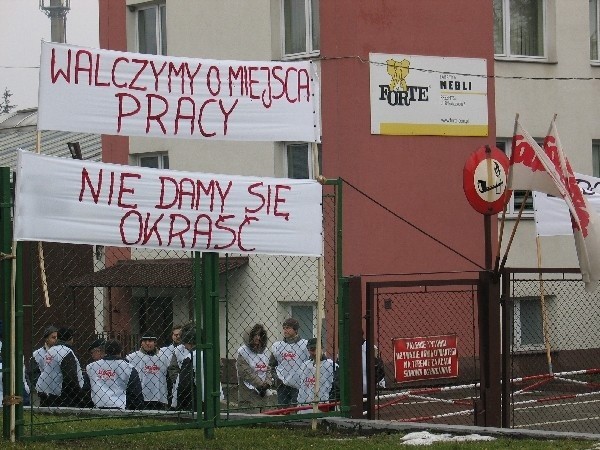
(153, 160)
(299, 159)
(301, 34)
(519, 28)
(305, 314)
(152, 31)
(516, 200)
(594, 20)
(528, 322)
(596, 158)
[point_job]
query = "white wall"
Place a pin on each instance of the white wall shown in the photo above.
(536, 101)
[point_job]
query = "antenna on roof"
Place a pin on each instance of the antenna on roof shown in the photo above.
(57, 10)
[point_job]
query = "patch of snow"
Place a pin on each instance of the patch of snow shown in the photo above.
(427, 438)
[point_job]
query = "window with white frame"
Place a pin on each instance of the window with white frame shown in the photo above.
(594, 26)
(305, 315)
(528, 322)
(152, 29)
(299, 160)
(515, 202)
(520, 28)
(301, 32)
(153, 160)
(596, 158)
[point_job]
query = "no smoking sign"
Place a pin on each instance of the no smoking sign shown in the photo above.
(484, 180)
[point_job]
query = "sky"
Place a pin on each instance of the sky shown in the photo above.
(22, 27)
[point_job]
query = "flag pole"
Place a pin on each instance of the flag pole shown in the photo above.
(514, 230)
(41, 261)
(501, 234)
(543, 305)
(320, 302)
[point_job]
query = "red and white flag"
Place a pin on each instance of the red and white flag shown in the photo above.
(547, 170)
(584, 219)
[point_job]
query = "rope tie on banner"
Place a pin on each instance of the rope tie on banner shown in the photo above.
(12, 400)
(4, 256)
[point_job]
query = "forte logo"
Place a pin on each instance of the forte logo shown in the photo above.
(398, 92)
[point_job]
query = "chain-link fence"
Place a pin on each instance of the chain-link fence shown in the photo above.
(122, 331)
(553, 367)
(427, 342)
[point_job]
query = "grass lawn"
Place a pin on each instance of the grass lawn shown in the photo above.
(263, 437)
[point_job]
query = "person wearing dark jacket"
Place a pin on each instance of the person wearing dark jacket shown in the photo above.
(184, 389)
(96, 350)
(36, 364)
(114, 382)
(61, 380)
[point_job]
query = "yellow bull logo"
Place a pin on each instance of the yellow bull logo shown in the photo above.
(398, 71)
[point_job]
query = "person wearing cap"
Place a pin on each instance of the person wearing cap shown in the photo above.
(36, 362)
(151, 364)
(114, 383)
(254, 376)
(96, 350)
(305, 378)
(61, 379)
(287, 358)
(184, 388)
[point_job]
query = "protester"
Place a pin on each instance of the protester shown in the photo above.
(61, 380)
(305, 378)
(169, 355)
(252, 364)
(114, 382)
(286, 359)
(151, 365)
(36, 363)
(184, 391)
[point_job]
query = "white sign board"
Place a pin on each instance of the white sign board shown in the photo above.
(428, 95)
(552, 216)
(129, 94)
(85, 202)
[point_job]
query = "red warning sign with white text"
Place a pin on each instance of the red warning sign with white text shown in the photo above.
(425, 358)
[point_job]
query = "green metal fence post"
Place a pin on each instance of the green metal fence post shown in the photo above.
(19, 382)
(5, 279)
(210, 318)
(198, 311)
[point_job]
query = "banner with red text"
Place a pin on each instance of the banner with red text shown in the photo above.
(551, 213)
(130, 94)
(85, 202)
(425, 358)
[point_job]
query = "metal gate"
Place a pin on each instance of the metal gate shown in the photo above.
(425, 330)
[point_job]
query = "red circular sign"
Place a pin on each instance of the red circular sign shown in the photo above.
(484, 180)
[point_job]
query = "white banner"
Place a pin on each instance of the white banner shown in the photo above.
(130, 94)
(428, 95)
(85, 202)
(552, 214)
